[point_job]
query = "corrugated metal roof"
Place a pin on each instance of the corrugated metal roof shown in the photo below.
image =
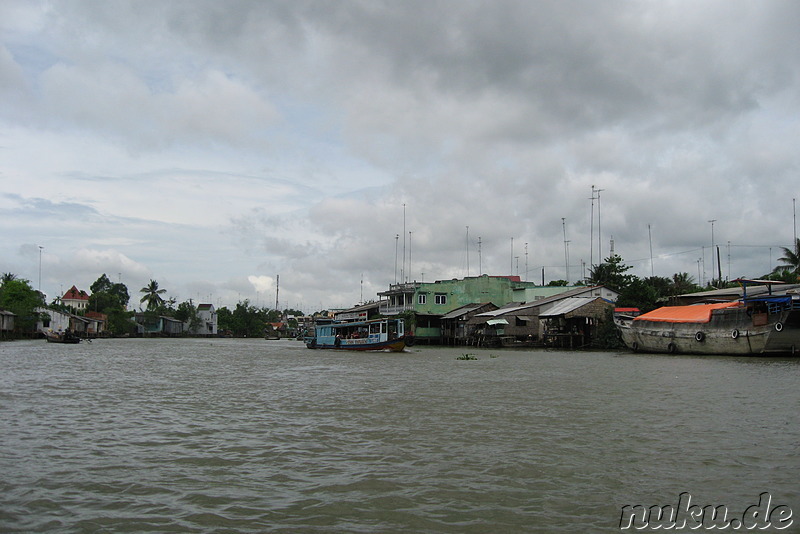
(458, 312)
(567, 305)
(508, 309)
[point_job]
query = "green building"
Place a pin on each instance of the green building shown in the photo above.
(429, 301)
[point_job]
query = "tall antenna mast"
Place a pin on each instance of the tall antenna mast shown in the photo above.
(409, 253)
(512, 256)
(526, 261)
(480, 265)
(403, 270)
(277, 286)
(566, 253)
(467, 247)
(396, 239)
(591, 232)
(599, 232)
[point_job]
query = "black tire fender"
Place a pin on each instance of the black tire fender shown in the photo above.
(700, 336)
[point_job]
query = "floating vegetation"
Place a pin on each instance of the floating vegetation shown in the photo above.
(467, 357)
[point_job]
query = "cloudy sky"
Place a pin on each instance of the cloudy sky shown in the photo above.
(346, 145)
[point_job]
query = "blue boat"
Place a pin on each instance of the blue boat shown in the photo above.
(376, 334)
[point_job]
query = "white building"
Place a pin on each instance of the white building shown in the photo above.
(208, 320)
(76, 299)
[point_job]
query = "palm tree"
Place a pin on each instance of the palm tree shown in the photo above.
(790, 260)
(152, 295)
(7, 277)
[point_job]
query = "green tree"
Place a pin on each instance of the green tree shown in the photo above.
(187, 313)
(682, 284)
(152, 296)
(224, 319)
(106, 294)
(244, 321)
(790, 270)
(112, 299)
(19, 297)
(611, 273)
(639, 293)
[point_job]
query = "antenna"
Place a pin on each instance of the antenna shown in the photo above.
(566, 253)
(480, 267)
(396, 239)
(403, 270)
(712, 221)
(599, 233)
(591, 230)
(467, 247)
(512, 256)
(526, 261)
(409, 252)
(277, 286)
(650, 236)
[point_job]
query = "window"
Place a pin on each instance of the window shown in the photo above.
(441, 298)
(422, 298)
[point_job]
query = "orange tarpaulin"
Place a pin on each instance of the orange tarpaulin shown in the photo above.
(699, 313)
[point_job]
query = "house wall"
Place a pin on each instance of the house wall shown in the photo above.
(532, 294)
(59, 321)
(208, 321)
(460, 292)
(6, 322)
(523, 324)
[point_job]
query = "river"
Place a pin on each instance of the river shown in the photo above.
(249, 435)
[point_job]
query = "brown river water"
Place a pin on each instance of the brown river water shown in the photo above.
(232, 435)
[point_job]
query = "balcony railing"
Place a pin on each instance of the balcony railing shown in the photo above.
(389, 309)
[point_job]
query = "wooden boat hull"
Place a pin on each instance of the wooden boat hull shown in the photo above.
(55, 338)
(729, 332)
(392, 345)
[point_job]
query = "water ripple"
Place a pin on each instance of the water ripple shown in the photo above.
(253, 436)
